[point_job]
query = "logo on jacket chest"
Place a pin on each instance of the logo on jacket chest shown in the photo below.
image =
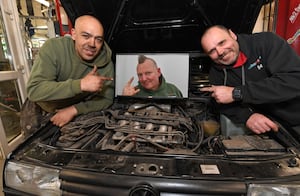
(257, 63)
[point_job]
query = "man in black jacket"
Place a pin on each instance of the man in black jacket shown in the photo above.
(256, 78)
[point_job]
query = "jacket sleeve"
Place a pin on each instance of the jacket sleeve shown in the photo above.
(43, 83)
(236, 111)
(282, 64)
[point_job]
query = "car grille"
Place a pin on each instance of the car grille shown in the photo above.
(77, 183)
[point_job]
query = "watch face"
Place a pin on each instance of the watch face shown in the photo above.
(236, 94)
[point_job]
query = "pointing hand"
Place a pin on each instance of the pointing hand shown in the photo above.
(92, 82)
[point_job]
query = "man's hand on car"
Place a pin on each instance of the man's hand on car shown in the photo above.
(259, 123)
(63, 116)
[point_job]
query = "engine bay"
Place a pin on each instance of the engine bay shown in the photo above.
(160, 126)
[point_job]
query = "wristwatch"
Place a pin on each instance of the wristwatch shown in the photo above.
(237, 94)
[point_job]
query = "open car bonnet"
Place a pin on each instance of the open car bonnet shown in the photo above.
(164, 25)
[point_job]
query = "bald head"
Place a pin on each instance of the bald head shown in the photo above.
(87, 20)
(88, 34)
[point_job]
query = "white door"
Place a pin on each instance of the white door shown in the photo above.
(24, 26)
(13, 75)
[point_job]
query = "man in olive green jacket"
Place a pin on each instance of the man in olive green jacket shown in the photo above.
(73, 75)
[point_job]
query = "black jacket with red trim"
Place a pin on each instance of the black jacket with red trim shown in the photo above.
(272, 80)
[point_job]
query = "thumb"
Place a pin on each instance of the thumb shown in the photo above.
(94, 71)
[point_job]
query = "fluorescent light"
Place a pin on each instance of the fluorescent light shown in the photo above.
(44, 2)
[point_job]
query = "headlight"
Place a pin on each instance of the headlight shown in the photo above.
(32, 179)
(273, 189)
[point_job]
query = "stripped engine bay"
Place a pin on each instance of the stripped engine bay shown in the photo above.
(169, 126)
(138, 127)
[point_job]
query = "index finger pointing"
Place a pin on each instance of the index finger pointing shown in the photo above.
(208, 89)
(107, 78)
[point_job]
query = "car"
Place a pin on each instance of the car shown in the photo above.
(158, 146)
